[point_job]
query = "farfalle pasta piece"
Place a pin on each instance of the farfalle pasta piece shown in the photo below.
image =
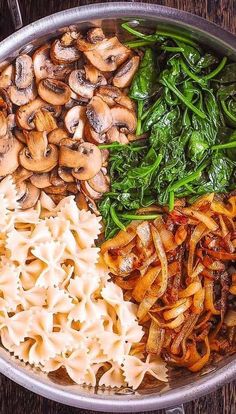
(85, 224)
(60, 231)
(47, 343)
(113, 377)
(18, 244)
(8, 190)
(29, 273)
(9, 285)
(50, 254)
(34, 297)
(84, 259)
(76, 365)
(81, 289)
(22, 350)
(135, 370)
(114, 346)
(58, 300)
(17, 326)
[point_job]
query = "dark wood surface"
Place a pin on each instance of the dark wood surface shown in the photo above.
(15, 399)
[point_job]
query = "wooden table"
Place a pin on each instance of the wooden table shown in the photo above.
(15, 399)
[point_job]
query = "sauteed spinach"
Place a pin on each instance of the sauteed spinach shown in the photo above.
(186, 102)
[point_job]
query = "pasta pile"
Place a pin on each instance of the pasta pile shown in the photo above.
(57, 305)
(180, 270)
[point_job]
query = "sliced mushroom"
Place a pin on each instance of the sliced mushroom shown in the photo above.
(6, 102)
(44, 67)
(22, 96)
(99, 183)
(26, 113)
(80, 85)
(85, 159)
(44, 121)
(108, 54)
(95, 35)
(92, 136)
(19, 134)
(114, 135)
(9, 151)
(65, 174)
(113, 96)
(123, 77)
(6, 77)
(3, 124)
(105, 156)
(99, 115)
(56, 198)
(21, 174)
(87, 189)
(24, 73)
(72, 188)
(59, 189)
(124, 119)
(75, 121)
(92, 74)
(21, 188)
(54, 91)
(69, 38)
(55, 136)
(55, 179)
(30, 198)
(81, 202)
(11, 121)
(61, 54)
(40, 180)
(38, 156)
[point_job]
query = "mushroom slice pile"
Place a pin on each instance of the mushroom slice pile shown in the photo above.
(84, 159)
(56, 107)
(38, 156)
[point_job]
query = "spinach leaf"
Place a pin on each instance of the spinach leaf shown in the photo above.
(197, 147)
(145, 80)
(228, 74)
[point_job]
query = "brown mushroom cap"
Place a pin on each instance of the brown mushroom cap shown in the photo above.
(59, 189)
(9, 153)
(85, 159)
(65, 174)
(21, 174)
(124, 118)
(39, 156)
(40, 180)
(99, 183)
(55, 179)
(95, 35)
(26, 113)
(81, 202)
(45, 121)
(30, 198)
(22, 96)
(54, 91)
(75, 120)
(113, 96)
(108, 54)
(114, 135)
(21, 188)
(87, 189)
(44, 67)
(55, 136)
(6, 76)
(123, 77)
(3, 124)
(99, 115)
(24, 73)
(92, 136)
(61, 54)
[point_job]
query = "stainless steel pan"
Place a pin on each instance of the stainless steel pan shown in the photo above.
(183, 386)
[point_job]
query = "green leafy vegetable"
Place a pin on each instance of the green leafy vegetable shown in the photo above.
(186, 102)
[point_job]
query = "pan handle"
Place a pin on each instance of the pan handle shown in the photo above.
(14, 9)
(179, 409)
